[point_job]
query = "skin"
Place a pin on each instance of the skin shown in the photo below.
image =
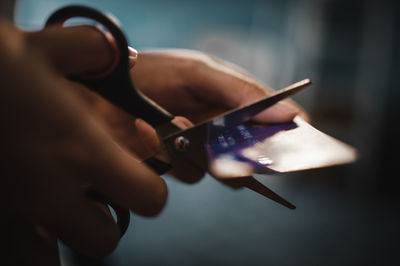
(59, 138)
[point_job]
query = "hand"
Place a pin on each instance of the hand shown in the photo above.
(198, 86)
(67, 54)
(204, 85)
(54, 146)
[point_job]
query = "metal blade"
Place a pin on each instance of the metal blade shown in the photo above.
(243, 114)
(198, 135)
(255, 185)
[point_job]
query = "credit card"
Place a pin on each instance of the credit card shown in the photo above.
(247, 149)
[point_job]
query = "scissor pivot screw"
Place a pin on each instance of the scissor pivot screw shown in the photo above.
(181, 143)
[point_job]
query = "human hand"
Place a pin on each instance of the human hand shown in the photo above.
(55, 146)
(198, 86)
(205, 86)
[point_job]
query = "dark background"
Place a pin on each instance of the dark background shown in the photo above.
(346, 215)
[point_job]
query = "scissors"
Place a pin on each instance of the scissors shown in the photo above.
(190, 144)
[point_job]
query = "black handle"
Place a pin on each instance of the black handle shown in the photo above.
(123, 215)
(117, 87)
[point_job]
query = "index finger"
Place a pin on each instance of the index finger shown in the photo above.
(119, 176)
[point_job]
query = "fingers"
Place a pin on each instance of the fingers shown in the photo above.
(186, 171)
(84, 225)
(68, 53)
(122, 178)
(148, 135)
(132, 185)
(60, 204)
(65, 49)
(26, 244)
(69, 148)
(135, 135)
(280, 112)
(222, 83)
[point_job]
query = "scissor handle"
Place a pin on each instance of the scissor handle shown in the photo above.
(117, 86)
(123, 215)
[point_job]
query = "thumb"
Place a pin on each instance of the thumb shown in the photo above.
(65, 49)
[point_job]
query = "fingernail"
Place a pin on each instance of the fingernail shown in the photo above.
(133, 54)
(182, 122)
(179, 123)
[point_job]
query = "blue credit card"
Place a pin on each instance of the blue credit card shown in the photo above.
(246, 149)
(232, 143)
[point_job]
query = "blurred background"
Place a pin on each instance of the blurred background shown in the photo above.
(346, 215)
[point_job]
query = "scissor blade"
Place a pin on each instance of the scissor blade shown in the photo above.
(236, 116)
(199, 135)
(255, 185)
(243, 114)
